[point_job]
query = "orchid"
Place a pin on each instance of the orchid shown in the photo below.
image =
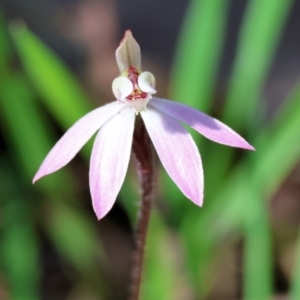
(163, 120)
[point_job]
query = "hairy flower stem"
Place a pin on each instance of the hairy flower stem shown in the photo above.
(142, 149)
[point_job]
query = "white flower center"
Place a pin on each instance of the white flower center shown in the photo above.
(133, 74)
(134, 88)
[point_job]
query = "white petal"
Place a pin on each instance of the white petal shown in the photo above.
(204, 124)
(128, 53)
(74, 139)
(109, 160)
(146, 82)
(122, 87)
(177, 151)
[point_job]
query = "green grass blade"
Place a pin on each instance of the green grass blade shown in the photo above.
(198, 52)
(24, 130)
(258, 270)
(162, 278)
(77, 241)
(279, 143)
(258, 39)
(204, 229)
(53, 81)
(19, 247)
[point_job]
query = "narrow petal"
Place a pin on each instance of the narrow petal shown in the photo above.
(122, 87)
(204, 124)
(146, 82)
(177, 151)
(74, 139)
(128, 53)
(109, 160)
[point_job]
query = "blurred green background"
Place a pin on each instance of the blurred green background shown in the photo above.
(236, 60)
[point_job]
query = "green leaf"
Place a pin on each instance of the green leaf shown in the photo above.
(77, 241)
(278, 146)
(198, 52)
(162, 279)
(25, 128)
(53, 81)
(261, 30)
(19, 247)
(258, 269)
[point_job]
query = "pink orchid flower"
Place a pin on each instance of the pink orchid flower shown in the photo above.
(112, 146)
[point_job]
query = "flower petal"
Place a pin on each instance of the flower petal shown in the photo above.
(109, 160)
(74, 139)
(128, 53)
(177, 151)
(146, 82)
(204, 124)
(122, 87)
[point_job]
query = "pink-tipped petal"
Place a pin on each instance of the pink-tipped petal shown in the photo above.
(74, 139)
(128, 53)
(109, 160)
(204, 124)
(177, 151)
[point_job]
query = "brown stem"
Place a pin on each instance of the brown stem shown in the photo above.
(143, 151)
